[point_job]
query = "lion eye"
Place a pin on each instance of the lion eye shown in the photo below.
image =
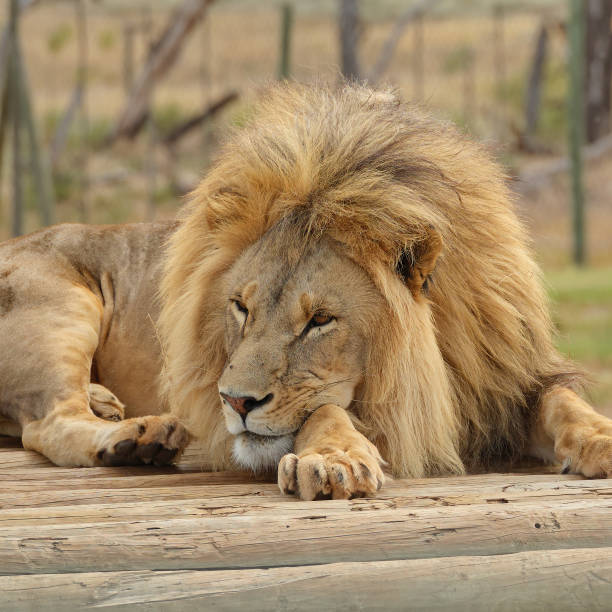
(241, 307)
(318, 321)
(240, 311)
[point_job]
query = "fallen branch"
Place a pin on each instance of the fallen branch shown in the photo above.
(189, 124)
(388, 49)
(537, 177)
(162, 56)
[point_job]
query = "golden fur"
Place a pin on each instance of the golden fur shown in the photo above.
(455, 375)
(349, 282)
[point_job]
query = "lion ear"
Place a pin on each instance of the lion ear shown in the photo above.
(417, 262)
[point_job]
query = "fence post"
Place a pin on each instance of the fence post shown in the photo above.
(418, 58)
(44, 189)
(576, 123)
(284, 68)
(15, 116)
(82, 78)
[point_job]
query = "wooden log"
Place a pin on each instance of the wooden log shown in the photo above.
(575, 579)
(13, 457)
(59, 479)
(233, 500)
(398, 494)
(249, 541)
(120, 495)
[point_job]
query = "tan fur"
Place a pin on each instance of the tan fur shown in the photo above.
(580, 439)
(452, 380)
(75, 321)
(331, 459)
(349, 285)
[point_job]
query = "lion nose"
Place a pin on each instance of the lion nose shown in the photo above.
(244, 405)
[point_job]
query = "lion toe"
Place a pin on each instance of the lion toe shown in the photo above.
(589, 455)
(336, 475)
(146, 440)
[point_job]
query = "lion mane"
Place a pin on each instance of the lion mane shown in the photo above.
(457, 370)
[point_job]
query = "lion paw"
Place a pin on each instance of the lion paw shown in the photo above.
(589, 455)
(105, 404)
(152, 439)
(339, 475)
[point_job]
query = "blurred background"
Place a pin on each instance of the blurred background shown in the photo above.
(111, 111)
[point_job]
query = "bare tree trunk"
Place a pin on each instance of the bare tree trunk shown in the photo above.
(534, 86)
(417, 10)
(349, 38)
(418, 59)
(82, 76)
(162, 56)
(128, 57)
(598, 68)
(15, 117)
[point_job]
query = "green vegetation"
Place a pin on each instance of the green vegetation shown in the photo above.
(107, 39)
(582, 308)
(59, 37)
(552, 124)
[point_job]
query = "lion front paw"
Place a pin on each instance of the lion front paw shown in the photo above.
(590, 455)
(152, 439)
(339, 474)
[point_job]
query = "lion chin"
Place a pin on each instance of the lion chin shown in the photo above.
(260, 453)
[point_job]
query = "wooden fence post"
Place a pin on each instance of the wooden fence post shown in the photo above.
(418, 58)
(15, 117)
(576, 123)
(82, 77)
(534, 85)
(44, 190)
(284, 68)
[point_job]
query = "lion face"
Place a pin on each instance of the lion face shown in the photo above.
(297, 328)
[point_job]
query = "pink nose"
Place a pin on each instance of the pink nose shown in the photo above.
(244, 405)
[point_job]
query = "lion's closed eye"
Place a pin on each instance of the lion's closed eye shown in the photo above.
(240, 311)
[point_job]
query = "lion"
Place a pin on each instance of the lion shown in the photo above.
(348, 293)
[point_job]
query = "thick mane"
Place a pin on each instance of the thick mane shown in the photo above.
(451, 378)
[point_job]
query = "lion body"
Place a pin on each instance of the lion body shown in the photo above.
(347, 193)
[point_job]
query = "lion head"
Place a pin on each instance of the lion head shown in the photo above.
(348, 249)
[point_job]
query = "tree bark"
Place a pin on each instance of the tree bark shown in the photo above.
(534, 86)
(349, 38)
(162, 56)
(598, 68)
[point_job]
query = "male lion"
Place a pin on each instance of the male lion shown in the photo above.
(348, 285)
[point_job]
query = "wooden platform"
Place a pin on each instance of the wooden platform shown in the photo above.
(182, 539)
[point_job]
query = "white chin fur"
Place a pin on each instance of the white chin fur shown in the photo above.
(258, 453)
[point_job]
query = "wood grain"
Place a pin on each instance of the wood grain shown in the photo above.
(562, 580)
(309, 537)
(227, 500)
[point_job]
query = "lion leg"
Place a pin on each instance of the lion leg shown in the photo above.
(70, 435)
(331, 459)
(47, 356)
(570, 431)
